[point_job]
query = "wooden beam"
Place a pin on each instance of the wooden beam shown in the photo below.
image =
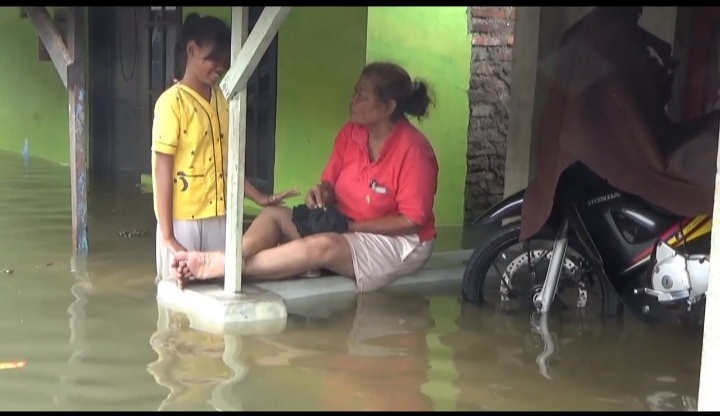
(77, 93)
(244, 64)
(519, 154)
(236, 161)
(53, 41)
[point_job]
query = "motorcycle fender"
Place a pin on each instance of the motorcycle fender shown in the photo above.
(510, 207)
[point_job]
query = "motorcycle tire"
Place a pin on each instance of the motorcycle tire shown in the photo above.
(498, 239)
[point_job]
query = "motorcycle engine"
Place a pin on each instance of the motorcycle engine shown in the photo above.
(678, 277)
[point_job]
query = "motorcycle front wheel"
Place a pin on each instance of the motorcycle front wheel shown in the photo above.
(484, 280)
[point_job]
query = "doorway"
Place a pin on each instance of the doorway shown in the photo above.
(261, 106)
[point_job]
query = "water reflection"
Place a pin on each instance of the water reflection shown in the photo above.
(190, 363)
(80, 326)
(599, 365)
(94, 337)
(78, 342)
(399, 351)
(346, 360)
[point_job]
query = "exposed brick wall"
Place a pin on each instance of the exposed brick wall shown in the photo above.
(492, 30)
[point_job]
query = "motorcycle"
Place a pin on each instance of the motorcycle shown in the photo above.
(646, 256)
(639, 254)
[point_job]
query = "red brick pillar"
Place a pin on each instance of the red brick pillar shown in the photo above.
(492, 31)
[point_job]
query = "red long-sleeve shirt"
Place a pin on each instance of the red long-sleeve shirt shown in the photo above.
(403, 179)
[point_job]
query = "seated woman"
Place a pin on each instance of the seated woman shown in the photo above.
(382, 175)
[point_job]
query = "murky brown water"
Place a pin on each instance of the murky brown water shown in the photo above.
(91, 338)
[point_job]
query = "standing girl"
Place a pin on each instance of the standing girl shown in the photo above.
(189, 147)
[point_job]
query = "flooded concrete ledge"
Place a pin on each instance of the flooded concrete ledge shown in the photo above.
(442, 267)
(261, 308)
(209, 308)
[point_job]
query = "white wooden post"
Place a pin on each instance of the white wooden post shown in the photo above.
(247, 50)
(79, 131)
(249, 56)
(708, 397)
(236, 161)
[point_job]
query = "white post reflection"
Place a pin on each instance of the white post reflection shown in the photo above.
(161, 369)
(78, 339)
(222, 397)
(177, 346)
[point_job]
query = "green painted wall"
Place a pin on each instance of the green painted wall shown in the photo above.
(321, 54)
(34, 102)
(433, 43)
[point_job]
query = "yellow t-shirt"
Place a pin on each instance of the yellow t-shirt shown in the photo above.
(195, 132)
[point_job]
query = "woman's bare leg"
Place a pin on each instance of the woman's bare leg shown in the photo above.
(198, 265)
(328, 250)
(273, 226)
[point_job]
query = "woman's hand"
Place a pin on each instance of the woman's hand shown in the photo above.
(319, 196)
(278, 198)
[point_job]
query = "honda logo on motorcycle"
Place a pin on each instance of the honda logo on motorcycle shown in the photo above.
(603, 198)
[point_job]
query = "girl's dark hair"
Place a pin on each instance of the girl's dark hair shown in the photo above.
(392, 82)
(206, 30)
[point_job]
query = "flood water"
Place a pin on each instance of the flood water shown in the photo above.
(93, 338)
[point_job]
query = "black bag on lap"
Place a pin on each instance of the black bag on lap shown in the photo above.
(322, 220)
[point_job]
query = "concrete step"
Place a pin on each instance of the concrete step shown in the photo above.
(261, 307)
